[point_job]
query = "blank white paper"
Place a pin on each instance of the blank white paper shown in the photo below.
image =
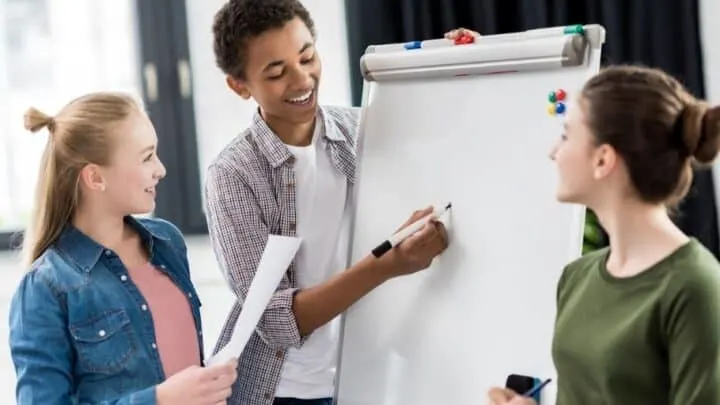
(279, 253)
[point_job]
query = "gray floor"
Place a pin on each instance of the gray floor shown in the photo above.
(214, 294)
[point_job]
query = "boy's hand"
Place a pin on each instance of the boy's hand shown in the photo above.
(459, 32)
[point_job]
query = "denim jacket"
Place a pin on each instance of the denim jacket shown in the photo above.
(79, 330)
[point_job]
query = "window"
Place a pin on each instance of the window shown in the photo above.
(54, 50)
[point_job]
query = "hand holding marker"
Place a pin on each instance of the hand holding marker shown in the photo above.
(509, 395)
(404, 233)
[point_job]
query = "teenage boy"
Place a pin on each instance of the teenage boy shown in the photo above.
(290, 173)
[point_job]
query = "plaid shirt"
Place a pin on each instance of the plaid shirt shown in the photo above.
(250, 194)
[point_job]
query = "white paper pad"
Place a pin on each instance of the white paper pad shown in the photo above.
(275, 260)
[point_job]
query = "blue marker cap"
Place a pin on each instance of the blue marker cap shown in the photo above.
(413, 45)
(534, 392)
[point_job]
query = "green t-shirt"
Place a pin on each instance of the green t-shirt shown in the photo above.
(650, 339)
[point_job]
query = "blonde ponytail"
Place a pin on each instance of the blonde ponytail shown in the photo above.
(36, 120)
(80, 135)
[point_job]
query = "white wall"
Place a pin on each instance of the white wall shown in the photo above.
(710, 32)
(219, 113)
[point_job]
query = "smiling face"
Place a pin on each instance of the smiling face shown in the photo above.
(282, 73)
(127, 183)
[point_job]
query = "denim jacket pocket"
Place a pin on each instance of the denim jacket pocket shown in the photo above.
(104, 343)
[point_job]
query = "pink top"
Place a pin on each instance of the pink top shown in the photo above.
(175, 333)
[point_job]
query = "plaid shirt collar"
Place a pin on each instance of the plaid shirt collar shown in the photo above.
(274, 149)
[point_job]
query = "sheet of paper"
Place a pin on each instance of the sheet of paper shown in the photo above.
(279, 253)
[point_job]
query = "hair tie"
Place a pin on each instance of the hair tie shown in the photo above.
(51, 125)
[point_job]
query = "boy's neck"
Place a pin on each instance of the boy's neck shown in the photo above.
(291, 133)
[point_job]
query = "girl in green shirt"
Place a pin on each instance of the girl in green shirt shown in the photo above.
(638, 322)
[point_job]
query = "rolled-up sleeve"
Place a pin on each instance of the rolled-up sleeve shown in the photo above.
(238, 235)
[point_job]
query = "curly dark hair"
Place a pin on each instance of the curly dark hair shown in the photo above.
(238, 21)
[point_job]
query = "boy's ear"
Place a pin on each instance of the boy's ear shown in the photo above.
(238, 86)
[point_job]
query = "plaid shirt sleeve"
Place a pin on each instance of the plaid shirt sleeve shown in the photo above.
(238, 235)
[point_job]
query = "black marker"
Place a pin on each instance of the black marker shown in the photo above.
(404, 233)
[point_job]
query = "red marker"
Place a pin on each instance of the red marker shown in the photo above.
(464, 40)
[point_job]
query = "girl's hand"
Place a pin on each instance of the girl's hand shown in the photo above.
(199, 385)
(504, 396)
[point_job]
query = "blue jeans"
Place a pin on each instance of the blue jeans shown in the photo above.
(295, 401)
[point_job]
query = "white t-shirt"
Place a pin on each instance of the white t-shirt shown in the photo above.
(321, 192)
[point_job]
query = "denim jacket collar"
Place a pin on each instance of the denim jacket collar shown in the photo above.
(85, 252)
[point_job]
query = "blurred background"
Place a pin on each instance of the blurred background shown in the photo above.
(161, 51)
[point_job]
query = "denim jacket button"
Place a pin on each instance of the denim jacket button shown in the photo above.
(154, 346)
(108, 252)
(123, 277)
(101, 333)
(143, 307)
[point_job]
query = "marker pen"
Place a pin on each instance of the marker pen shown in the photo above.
(404, 233)
(536, 389)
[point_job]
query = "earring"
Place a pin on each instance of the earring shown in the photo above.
(102, 187)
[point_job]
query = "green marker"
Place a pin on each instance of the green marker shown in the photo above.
(574, 29)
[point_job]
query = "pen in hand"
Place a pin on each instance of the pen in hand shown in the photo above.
(534, 390)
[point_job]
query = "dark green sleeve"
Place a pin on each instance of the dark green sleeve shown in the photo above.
(693, 339)
(565, 284)
(560, 285)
